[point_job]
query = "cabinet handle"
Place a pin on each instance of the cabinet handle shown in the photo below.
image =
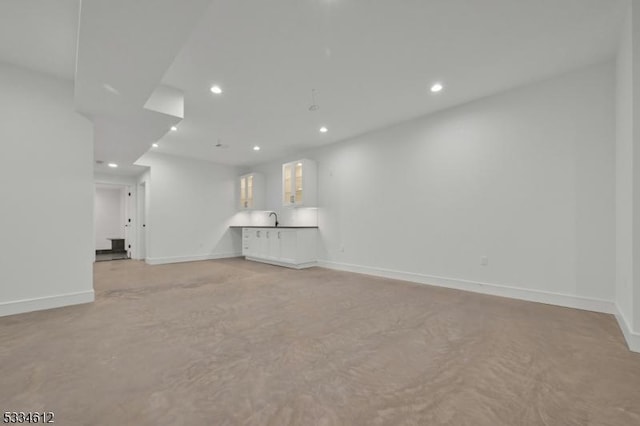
(278, 234)
(268, 234)
(257, 234)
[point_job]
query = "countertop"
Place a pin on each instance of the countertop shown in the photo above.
(275, 227)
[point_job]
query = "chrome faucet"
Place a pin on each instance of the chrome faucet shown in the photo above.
(276, 215)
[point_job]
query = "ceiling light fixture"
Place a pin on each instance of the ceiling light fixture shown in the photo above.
(256, 148)
(323, 129)
(216, 89)
(113, 165)
(155, 145)
(174, 128)
(437, 87)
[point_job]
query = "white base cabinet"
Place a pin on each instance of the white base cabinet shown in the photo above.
(289, 247)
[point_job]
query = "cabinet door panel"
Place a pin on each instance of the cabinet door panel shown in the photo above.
(252, 242)
(246, 245)
(274, 244)
(262, 248)
(298, 183)
(243, 193)
(288, 246)
(249, 192)
(287, 184)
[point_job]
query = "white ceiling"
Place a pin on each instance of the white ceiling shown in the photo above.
(40, 35)
(124, 48)
(116, 52)
(370, 62)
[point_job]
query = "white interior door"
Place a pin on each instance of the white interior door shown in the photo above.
(126, 216)
(142, 221)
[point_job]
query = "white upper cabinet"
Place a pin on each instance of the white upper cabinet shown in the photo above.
(252, 192)
(299, 184)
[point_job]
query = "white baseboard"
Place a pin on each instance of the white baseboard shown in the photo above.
(549, 298)
(632, 338)
(179, 259)
(42, 303)
(283, 264)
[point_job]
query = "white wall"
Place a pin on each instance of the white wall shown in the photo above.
(190, 208)
(628, 178)
(624, 174)
(635, 34)
(46, 188)
(109, 179)
(525, 178)
(109, 215)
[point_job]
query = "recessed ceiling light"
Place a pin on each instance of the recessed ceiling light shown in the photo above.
(323, 129)
(155, 145)
(216, 89)
(174, 128)
(113, 165)
(437, 87)
(256, 148)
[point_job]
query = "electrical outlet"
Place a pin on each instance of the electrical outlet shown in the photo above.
(484, 261)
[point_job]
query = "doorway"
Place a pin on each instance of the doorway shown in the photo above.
(110, 222)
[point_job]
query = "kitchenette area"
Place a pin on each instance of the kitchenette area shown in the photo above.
(291, 244)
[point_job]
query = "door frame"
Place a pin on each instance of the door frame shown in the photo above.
(142, 215)
(130, 210)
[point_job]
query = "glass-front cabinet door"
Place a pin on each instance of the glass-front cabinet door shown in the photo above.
(243, 192)
(287, 184)
(299, 185)
(249, 201)
(251, 191)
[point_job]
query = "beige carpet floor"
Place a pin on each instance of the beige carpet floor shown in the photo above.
(232, 342)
